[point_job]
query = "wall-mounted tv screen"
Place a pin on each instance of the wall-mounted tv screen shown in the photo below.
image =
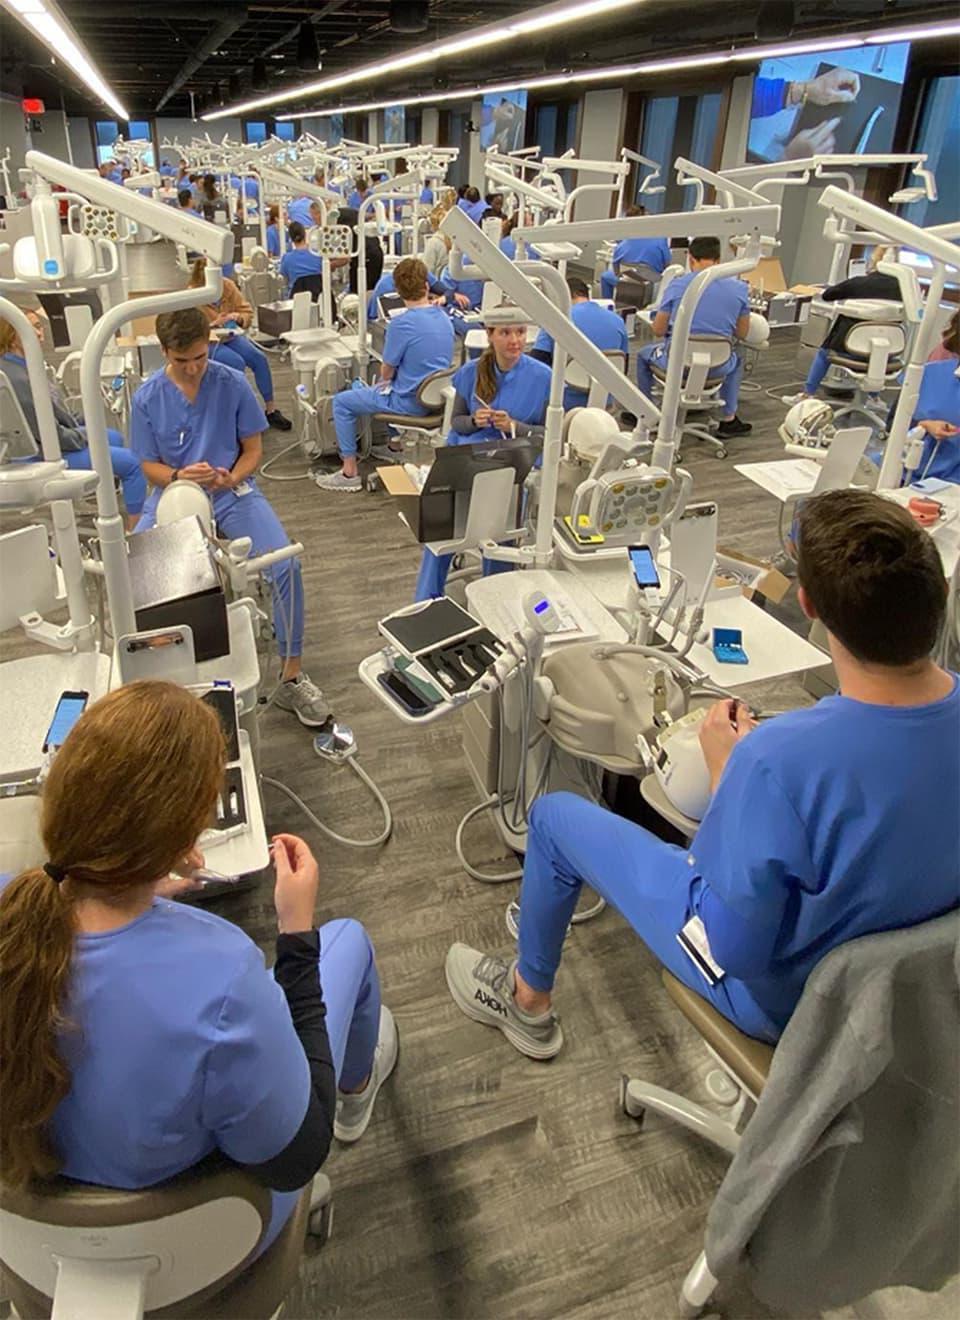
(830, 102)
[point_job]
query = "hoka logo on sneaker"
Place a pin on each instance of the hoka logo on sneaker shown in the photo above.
(488, 1001)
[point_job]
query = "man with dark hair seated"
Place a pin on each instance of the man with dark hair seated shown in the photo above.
(604, 329)
(825, 824)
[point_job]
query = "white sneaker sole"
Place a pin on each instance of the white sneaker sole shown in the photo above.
(517, 1037)
(347, 1135)
(340, 490)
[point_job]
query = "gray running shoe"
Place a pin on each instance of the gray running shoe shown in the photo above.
(482, 988)
(354, 1111)
(338, 482)
(302, 696)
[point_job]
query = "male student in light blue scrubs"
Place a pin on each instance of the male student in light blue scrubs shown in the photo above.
(386, 284)
(604, 329)
(197, 420)
(724, 310)
(417, 343)
(654, 253)
(825, 824)
(299, 210)
(298, 259)
(938, 412)
(500, 395)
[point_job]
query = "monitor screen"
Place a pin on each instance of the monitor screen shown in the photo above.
(833, 102)
(503, 120)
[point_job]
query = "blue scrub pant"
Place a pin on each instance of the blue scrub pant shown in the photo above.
(732, 374)
(818, 369)
(573, 842)
(252, 515)
(608, 283)
(241, 353)
(363, 401)
(126, 466)
(351, 993)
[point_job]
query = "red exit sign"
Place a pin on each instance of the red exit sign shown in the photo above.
(32, 105)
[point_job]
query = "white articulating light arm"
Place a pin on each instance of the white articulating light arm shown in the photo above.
(538, 196)
(64, 522)
(945, 256)
(613, 167)
(724, 223)
(215, 243)
(737, 193)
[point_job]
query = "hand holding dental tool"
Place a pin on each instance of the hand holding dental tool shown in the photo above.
(298, 880)
(725, 723)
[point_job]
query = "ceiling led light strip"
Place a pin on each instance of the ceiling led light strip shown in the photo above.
(539, 20)
(752, 53)
(46, 21)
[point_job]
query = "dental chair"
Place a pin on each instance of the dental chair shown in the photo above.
(870, 361)
(578, 378)
(700, 389)
(436, 393)
(843, 1086)
(173, 1251)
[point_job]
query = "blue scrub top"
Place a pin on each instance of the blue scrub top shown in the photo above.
(417, 343)
(652, 252)
(523, 392)
(827, 825)
(165, 427)
(426, 196)
(475, 210)
(299, 261)
(508, 246)
(604, 329)
(355, 200)
(472, 288)
(299, 209)
(939, 400)
(250, 186)
(273, 241)
(719, 309)
(161, 1077)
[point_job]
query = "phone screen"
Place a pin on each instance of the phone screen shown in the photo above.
(69, 709)
(408, 698)
(644, 568)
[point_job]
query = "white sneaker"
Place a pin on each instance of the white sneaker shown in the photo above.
(482, 988)
(791, 399)
(338, 482)
(354, 1111)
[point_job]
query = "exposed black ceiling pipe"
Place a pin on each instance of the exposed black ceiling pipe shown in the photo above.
(147, 9)
(308, 52)
(217, 34)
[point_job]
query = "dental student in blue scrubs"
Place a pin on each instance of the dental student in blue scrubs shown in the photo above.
(273, 231)
(148, 1033)
(417, 343)
(198, 420)
(604, 329)
(71, 433)
(298, 259)
(653, 253)
(938, 412)
(824, 824)
(723, 309)
(233, 312)
(501, 395)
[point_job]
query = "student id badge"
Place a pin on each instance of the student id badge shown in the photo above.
(693, 941)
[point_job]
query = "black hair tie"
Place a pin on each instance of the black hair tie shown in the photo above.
(56, 873)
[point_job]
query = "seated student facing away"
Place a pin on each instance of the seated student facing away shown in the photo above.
(938, 412)
(71, 433)
(501, 395)
(298, 259)
(417, 343)
(874, 286)
(825, 824)
(949, 347)
(723, 310)
(604, 329)
(273, 231)
(652, 253)
(197, 420)
(239, 352)
(140, 1035)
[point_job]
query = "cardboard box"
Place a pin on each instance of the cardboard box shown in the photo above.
(768, 275)
(439, 511)
(757, 578)
(175, 582)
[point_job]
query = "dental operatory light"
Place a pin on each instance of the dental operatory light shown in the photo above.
(46, 21)
(491, 34)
